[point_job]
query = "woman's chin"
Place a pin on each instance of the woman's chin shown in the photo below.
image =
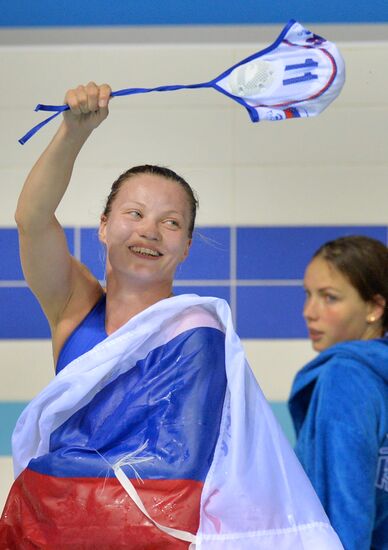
(318, 346)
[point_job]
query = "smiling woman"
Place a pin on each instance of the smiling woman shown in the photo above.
(147, 230)
(144, 439)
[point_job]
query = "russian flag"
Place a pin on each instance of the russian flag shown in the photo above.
(159, 437)
(169, 405)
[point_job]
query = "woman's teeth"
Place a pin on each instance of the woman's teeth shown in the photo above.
(145, 251)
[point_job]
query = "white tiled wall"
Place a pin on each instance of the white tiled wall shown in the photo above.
(5, 478)
(328, 170)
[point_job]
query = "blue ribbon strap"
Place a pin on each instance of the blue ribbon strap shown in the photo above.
(58, 109)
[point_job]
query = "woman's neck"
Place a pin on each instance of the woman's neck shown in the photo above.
(123, 303)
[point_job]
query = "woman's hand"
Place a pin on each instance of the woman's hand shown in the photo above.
(88, 107)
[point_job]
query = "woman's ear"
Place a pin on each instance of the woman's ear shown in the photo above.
(102, 229)
(186, 250)
(377, 307)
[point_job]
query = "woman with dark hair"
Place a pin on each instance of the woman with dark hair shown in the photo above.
(153, 433)
(339, 401)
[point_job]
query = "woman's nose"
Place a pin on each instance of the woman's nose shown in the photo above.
(310, 310)
(149, 230)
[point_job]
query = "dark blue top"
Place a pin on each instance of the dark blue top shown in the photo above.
(339, 405)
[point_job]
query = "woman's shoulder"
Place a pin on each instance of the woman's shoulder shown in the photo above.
(198, 316)
(352, 370)
(355, 355)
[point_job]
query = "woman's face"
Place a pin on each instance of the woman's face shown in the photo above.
(334, 310)
(146, 231)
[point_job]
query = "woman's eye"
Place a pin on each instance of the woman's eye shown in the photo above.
(172, 223)
(330, 298)
(135, 213)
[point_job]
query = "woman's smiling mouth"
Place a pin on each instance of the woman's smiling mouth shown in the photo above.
(145, 252)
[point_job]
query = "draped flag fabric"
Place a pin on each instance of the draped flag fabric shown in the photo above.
(299, 75)
(253, 494)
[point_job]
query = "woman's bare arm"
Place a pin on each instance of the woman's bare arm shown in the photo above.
(50, 271)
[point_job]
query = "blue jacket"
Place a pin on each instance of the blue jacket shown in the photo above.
(339, 406)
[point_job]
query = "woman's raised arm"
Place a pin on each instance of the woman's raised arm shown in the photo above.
(50, 271)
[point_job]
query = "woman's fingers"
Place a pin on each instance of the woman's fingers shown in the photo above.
(88, 99)
(71, 99)
(104, 96)
(92, 93)
(82, 97)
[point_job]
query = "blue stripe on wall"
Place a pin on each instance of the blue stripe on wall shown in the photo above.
(10, 412)
(209, 255)
(25, 13)
(284, 252)
(21, 315)
(270, 312)
(10, 268)
(264, 256)
(93, 252)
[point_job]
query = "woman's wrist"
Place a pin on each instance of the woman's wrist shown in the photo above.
(72, 135)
